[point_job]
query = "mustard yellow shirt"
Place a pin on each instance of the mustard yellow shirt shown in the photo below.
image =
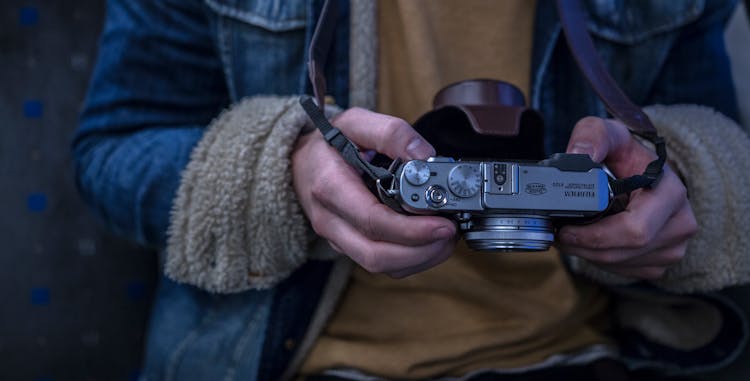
(477, 310)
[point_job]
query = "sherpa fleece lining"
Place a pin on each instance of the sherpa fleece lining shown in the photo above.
(236, 223)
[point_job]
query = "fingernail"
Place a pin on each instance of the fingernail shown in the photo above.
(442, 233)
(568, 238)
(418, 148)
(583, 147)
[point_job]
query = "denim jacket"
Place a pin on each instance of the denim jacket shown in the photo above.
(166, 68)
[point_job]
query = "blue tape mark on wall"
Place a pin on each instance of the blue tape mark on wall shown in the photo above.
(136, 290)
(40, 296)
(36, 202)
(33, 109)
(28, 16)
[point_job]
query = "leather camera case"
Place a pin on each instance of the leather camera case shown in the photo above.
(483, 119)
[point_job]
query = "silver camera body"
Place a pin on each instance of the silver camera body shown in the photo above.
(505, 205)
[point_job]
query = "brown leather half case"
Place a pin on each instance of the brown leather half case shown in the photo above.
(483, 119)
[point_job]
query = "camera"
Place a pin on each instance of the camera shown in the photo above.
(504, 205)
(509, 203)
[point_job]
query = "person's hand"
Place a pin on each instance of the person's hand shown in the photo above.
(343, 211)
(651, 234)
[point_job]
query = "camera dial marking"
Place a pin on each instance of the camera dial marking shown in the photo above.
(417, 172)
(464, 180)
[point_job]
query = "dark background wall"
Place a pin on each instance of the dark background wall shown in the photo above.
(73, 300)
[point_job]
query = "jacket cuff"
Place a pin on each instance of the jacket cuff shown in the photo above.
(236, 223)
(713, 154)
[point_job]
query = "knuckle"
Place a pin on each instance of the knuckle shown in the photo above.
(674, 256)
(319, 229)
(395, 125)
(371, 228)
(691, 226)
(595, 240)
(371, 262)
(319, 192)
(319, 188)
(394, 130)
(322, 185)
(638, 233)
(319, 225)
(417, 232)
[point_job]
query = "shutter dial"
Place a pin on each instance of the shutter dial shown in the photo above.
(464, 180)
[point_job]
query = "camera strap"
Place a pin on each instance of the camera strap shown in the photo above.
(320, 46)
(617, 103)
(582, 48)
(334, 137)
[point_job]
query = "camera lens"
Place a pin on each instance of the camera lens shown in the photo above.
(509, 233)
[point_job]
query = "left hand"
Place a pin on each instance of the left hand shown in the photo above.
(651, 234)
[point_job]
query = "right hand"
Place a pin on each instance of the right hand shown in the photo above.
(343, 211)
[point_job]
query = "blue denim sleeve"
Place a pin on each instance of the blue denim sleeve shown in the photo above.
(157, 83)
(697, 69)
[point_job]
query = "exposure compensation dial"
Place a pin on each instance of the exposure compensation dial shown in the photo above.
(417, 172)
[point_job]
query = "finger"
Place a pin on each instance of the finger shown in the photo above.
(379, 223)
(332, 228)
(640, 223)
(384, 133)
(596, 137)
(610, 139)
(662, 257)
(666, 250)
(344, 194)
(312, 158)
(436, 260)
(384, 257)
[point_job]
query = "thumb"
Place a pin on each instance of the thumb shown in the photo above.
(608, 140)
(598, 138)
(383, 133)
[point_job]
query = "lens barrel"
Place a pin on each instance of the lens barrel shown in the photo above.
(509, 233)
